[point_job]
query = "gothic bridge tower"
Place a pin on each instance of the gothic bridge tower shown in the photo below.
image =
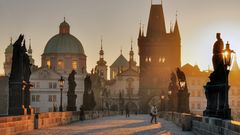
(160, 54)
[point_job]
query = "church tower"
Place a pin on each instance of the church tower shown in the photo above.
(101, 67)
(159, 53)
(8, 58)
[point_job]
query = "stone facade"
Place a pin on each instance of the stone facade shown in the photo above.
(159, 53)
(45, 94)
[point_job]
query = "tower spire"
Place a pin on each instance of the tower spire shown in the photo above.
(176, 28)
(30, 48)
(156, 22)
(140, 30)
(143, 30)
(11, 40)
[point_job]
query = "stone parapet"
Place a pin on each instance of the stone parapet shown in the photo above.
(10, 125)
(16, 124)
(203, 125)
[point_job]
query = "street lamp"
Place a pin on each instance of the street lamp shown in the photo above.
(227, 56)
(61, 83)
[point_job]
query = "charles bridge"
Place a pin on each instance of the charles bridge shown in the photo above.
(54, 121)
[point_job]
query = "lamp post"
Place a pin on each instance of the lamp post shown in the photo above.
(61, 83)
(227, 60)
(162, 103)
(170, 101)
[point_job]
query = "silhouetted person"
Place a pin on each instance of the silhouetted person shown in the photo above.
(82, 113)
(154, 113)
(127, 112)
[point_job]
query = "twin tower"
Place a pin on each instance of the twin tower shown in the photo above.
(160, 54)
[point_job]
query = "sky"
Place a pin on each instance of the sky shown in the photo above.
(117, 21)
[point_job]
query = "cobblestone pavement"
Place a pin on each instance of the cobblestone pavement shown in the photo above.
(115, 125)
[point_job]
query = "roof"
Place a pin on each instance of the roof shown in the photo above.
(121, 61)
(64, 43)
(190, 70)
(156, 22)
(129, 72)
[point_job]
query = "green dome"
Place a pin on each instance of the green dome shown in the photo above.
(9, 49)
(64, 43)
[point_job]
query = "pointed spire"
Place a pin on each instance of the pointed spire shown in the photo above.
(143, 30)
(131, 54)
(140, 30)
(121, 51)
(176, 28)
(156, 22)
(30, 47)
(11, 40)
(64, 19)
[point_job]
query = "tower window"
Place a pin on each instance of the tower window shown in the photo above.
(146, 60)
(60, 64)
(163, 60)
(48, 63)
(74, 65)
(149, 59)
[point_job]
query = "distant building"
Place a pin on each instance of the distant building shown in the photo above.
(62, 54)
(8, 58)
(160, 54)
(196, 79)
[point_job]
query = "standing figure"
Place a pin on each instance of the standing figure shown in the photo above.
(127, 111)
(154, 113)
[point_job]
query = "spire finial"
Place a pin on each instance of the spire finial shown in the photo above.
(101, 42)
(151, 2)
(176, 15)
(11, 40)
(64, 18)
(29, 42)
(143, 30)
(131, 43)
(121, 50)
(161, 2)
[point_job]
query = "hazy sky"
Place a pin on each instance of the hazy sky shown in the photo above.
(118, 21)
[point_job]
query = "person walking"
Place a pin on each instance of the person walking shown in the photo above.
(127, 112)
(154, 113)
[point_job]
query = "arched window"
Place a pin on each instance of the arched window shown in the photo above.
(74, 65)
(48, 63)
(60, 64)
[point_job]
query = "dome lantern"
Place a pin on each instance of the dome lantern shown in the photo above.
(64, 27)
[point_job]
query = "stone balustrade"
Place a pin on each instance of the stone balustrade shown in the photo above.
(24, 123)
(203, 125)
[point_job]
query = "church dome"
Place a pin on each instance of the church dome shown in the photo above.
(64, 42)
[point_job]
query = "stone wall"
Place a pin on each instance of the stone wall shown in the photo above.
(215, 126)
(24, 123)
(200, 125)
(16, 124)
(3, 95)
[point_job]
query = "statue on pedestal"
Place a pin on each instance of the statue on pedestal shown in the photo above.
(71, 106)
(88, 95)
(19, 84)
(216, 90)
(183, 95)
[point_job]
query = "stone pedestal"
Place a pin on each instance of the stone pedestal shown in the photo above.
(183, 102)
(16, 106)
(217, 101)
(71, 102)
